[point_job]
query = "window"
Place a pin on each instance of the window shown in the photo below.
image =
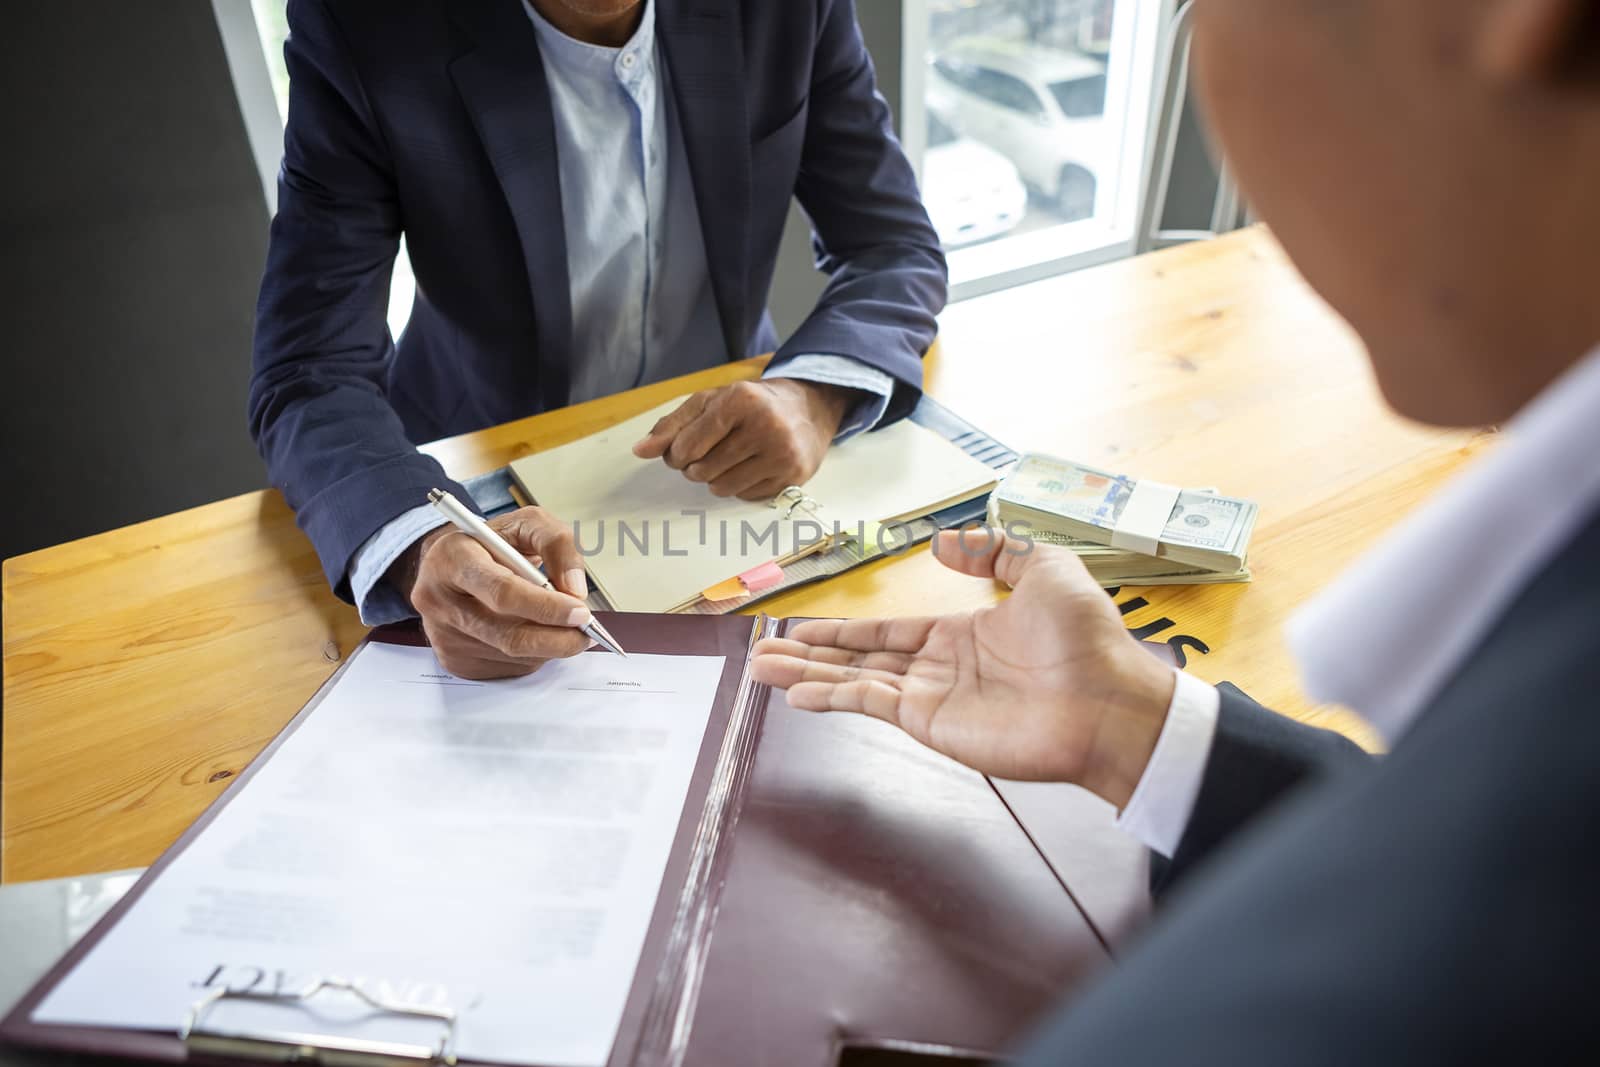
(1010, 93)
(1049, 102)
(939, 134)
(273, 26)
(955, 72)
(1084, 98)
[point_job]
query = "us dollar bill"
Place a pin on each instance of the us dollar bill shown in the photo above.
(1205, 528)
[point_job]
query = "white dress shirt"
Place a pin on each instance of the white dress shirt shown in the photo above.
(1463, 558)
(642, 305)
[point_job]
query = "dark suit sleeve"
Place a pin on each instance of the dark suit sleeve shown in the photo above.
(871, 234)
(1257, 756)
(333, 444)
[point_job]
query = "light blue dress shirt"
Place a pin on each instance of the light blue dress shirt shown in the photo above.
(642, 305)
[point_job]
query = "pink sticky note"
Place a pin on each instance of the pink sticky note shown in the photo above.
(763, 577)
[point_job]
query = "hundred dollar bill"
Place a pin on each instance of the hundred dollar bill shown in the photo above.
(1205, 529)
(1117, 567)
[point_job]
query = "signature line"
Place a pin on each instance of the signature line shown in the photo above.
(585, 689)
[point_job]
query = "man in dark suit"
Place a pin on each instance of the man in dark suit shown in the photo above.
(592, 194)
(1431, 168)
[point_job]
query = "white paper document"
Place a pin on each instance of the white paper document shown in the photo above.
(496, 848)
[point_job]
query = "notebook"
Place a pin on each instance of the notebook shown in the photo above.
(655, 542)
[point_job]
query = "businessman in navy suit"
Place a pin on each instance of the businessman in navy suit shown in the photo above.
(1321, 906)
(592, 194)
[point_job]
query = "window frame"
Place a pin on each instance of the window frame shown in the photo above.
(1111, 234)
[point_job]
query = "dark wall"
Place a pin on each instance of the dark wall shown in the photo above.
(1193, 192)
(132, 234)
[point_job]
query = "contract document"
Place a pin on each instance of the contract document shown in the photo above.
(493, 848)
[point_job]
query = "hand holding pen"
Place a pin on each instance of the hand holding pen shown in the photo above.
(489, 612)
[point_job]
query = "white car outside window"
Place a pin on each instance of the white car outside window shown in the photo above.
(972, 192)
(1042, 108)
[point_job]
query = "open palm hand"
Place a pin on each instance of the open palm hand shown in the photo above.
(1046, 685)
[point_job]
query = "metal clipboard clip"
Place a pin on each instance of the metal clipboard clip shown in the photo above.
(795, 499)
(329, 1050)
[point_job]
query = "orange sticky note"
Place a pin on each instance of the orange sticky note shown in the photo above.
(732, 589)
(763, 577)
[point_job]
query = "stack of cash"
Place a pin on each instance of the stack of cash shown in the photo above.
(1054, 501)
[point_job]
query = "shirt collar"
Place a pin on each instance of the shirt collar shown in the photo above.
(570, 52)
(1460, 563)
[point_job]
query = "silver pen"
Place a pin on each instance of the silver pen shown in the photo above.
(480, 531)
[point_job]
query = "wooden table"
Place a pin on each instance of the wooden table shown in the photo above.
(146, 666)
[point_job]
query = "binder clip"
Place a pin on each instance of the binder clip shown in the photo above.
(326, 1050)
(795, 499)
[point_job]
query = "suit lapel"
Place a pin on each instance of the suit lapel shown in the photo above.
(703, 43)
(501, 79)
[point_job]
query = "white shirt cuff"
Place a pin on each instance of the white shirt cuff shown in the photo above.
(379, 603)
(1158, 812)
(847, 373)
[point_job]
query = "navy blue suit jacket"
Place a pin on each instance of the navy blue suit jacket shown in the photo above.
(432, 118)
